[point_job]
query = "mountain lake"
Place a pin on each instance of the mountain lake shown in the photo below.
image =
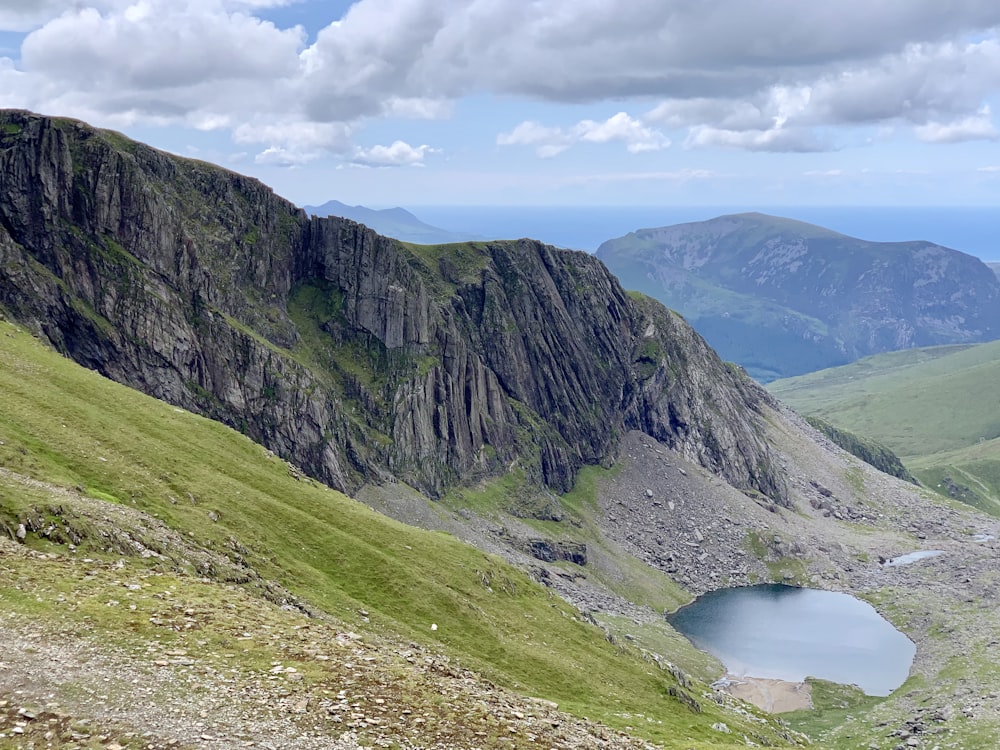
(790, 633)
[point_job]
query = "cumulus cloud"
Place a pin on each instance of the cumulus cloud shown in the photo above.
(398, 154)
(548, 141)
(23, 15)
(776, 139)
(293, 143)
(147, 47)
(749, 74)
(552, 141)
(976, 127)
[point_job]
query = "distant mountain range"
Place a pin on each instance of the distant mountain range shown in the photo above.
(392, 222)
(783, 297)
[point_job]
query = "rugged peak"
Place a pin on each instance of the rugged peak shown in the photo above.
(354, 355)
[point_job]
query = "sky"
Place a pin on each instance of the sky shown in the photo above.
(537, 102)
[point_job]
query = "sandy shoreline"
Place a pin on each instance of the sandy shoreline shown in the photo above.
(775, 696)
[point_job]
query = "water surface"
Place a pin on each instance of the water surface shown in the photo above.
(790, 633)
(911, 557)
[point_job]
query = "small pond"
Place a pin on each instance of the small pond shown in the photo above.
(911, 557)
(790, 633)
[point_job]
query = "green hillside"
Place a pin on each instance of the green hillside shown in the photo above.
(782, 297)
(72, 441)
(937, 408)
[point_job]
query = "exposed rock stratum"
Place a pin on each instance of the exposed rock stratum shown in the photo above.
(355, 356)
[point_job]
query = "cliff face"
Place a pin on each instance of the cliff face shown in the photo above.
(783, 297)
(355, 356)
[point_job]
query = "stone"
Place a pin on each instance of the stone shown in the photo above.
(459, 382)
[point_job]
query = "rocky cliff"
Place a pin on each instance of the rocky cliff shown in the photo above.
(357, 357)
(782, 297)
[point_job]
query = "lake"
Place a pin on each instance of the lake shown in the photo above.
(790, 633)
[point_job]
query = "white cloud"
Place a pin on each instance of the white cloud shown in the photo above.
(992, 169)
(293, 143)
(398, 154)
(147, 47)
(620, 127)
(548, 141)
(773, 139)
(552, 141)
(766, 75)
(417, 108)
(974, 128)
(729, 114)
(24, 15)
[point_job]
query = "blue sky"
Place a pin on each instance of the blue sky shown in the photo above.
(540, 102)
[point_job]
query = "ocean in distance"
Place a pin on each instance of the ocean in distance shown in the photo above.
(974, 230)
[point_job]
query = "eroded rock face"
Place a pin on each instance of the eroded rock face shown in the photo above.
(353, 355)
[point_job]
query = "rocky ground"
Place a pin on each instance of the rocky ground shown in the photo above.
(228, 670)
(166, 683)
(845, 520)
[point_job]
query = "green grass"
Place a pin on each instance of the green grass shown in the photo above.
(936, 408)
(918, 402)
(834, 706)
(69, 426)
(608, 564)
(661, 638)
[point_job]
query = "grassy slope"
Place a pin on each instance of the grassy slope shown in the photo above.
(938, 408)
(62, 424)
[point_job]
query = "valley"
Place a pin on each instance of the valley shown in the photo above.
(473, 478)
(934, 407)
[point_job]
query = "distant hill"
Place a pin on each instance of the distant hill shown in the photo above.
(994, 266)
(392, 222)
(783, 297)
(937, 408)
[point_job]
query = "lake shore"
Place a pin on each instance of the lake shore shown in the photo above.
(774, 696)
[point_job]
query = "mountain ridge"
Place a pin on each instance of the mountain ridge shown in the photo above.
(494, 377)
(397, 222)
(351, 354)
(782, 297)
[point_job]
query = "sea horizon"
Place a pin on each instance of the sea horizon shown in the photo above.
(970, 229)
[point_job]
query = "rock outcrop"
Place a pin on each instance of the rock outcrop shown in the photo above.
(357, 357)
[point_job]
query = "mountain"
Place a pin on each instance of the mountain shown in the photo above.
(350, 354)
(391, 222)
(193, 562)
(995, 267)
(782, 297)
(577, 458)
(938, 408)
